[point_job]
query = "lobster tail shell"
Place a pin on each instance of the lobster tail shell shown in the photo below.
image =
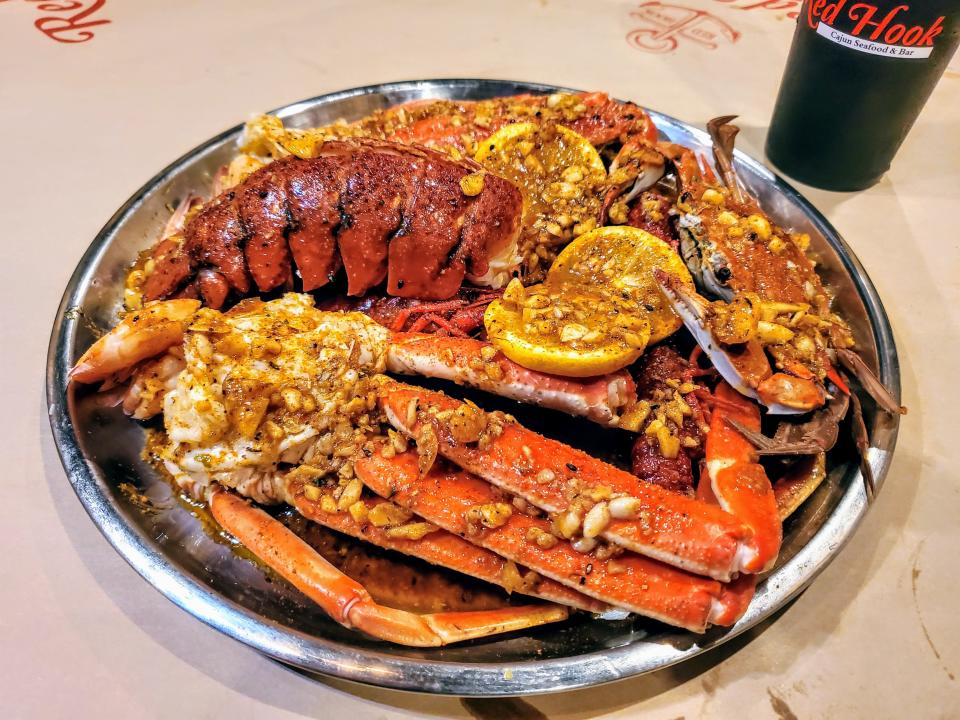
(381, 210)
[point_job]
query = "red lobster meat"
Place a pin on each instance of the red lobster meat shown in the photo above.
(381, 210)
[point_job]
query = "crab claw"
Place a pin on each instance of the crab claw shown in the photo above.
(723, 134)
(745, 367)
(794, 392)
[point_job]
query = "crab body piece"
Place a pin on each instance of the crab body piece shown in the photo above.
(745, 365)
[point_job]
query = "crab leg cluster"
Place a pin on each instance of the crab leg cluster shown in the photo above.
(449, 496)
(425, 541)
(681, 531)
(503, 503)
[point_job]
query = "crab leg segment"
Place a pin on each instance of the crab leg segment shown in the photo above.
(678, 530)
(437, 548)
(799, 483)
(737, 481)
(629, 581)
(347, 601)
(479, 364)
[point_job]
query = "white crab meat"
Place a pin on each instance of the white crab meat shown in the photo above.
(267, 386)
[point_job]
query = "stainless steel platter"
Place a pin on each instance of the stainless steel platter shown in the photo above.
(100, 450)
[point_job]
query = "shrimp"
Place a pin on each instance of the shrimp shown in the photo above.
(139, 336)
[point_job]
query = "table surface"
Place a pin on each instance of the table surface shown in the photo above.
(84, 124)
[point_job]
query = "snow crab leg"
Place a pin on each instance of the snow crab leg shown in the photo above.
(736, 481)
(422, 540)
(346, 600)
(587, 501)
(650, 588)
(654, 522)
(480, 365)
(461, 124)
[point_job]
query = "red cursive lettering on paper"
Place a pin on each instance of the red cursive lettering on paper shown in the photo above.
(73, 28)
(663, 26)
(792, 5)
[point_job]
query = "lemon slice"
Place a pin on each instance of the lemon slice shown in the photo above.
(565, 330)
(561, 177)
(622, 260)
(572, 147)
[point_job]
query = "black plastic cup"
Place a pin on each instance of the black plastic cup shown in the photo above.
(857, 76)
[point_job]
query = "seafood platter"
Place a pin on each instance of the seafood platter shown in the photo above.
(473, 387)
